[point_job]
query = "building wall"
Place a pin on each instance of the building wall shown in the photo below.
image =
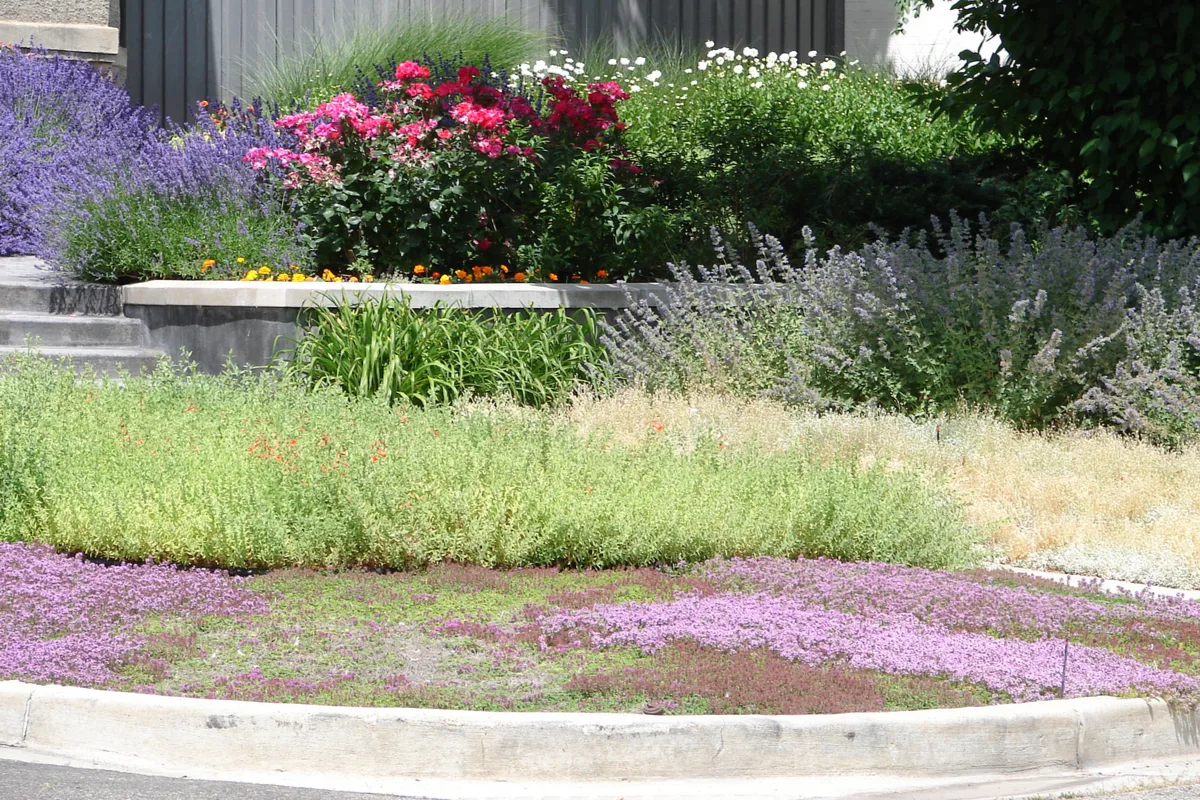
(928, 46)
(87, 28)
(78, 12)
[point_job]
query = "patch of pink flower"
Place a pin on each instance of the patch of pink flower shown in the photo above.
(67, 620)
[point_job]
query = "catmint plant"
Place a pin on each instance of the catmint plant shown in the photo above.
(1100, 330)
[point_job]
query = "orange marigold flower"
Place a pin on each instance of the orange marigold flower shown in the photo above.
(368, 278)
(553, 277)
(208, 262)
(352, 279)
(519, 277)
(600, 273)
(504, 268)
(419, 269)
(461, 273)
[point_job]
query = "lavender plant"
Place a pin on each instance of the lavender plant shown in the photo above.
(1100, 329)
(187, 203)
(62, 120)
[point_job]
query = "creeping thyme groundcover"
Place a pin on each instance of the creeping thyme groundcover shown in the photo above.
(840, 636)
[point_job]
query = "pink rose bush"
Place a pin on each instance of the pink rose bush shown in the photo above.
(463, 176)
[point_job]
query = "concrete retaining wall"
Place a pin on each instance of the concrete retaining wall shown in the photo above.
(219, 321)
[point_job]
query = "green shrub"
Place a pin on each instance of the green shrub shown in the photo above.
(1103, 88)
(251, 472)
(142, 234)
(437, 355)
(782, 145)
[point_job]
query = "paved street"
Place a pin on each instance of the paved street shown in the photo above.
(20, 781)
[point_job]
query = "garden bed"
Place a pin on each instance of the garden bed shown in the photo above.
(768, 635)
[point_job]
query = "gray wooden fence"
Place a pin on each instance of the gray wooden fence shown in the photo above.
(181, 51)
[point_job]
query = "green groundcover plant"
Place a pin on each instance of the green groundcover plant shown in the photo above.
(256, 472)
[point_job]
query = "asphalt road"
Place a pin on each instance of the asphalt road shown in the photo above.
(21, 781)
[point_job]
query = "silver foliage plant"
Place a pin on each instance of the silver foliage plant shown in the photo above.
(1042, 330)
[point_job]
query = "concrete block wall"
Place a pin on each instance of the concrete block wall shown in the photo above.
(89, 29)
(929, 45)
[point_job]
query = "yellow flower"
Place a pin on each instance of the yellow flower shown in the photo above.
(368, 278)
(297, 278)
(283, 276)
(353, 279)
(241, 260)
(209, 262)
(251, 276)
(419, 269)
(263, 270)
(444, 279)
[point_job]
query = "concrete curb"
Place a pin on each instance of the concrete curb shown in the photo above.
(1103, 584)
(239, 294)
(483, 754)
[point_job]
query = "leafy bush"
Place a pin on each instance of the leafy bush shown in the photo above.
(455, 174)
(185, 207)
(250, 472)
(1035, 334)
(1103, 89)
(65, 125)
(780, 142)
(440, 354)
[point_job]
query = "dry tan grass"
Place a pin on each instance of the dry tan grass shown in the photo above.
(1033, 493)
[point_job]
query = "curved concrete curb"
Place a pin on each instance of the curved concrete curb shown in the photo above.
(482, 754)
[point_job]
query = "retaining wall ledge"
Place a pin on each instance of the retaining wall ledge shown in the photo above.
(249, 294)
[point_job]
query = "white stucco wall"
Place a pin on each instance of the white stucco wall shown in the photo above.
(928, 46)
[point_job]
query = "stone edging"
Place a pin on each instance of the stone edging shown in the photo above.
(476, 754)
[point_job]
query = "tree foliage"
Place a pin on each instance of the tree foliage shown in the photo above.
(1103, 88)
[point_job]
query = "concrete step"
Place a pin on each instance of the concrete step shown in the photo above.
(63, 330)
(45, 297)
(104, 360)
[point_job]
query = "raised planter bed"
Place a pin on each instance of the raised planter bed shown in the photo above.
(218, 320)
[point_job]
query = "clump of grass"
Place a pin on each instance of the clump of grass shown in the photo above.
(328, 66)
(254, 472)
(437, 355)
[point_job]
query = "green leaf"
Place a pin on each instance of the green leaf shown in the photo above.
(1191, 170)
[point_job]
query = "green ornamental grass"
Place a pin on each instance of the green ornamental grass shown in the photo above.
(438, 355)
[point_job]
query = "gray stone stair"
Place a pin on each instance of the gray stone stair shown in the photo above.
(82, 322)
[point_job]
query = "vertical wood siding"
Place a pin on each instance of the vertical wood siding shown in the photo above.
(181, 51)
